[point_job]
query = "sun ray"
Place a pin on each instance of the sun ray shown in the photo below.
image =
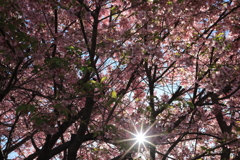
(150, 127)
(129, 132)
(139, 147)
(128, 150)
(155, 135)
(126, 140)
(144, 146)
(150, 143)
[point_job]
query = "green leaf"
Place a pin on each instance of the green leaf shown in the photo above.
(141, 110)
(203, 148)
(92, 81)
(149, 109)
(12, 27)
(180, 1)
(25, 108)
(103, 79)
(190, 104)
(36, 69)
(57, 106)
(219, 37)
(165, 105)
(111, 127)
(72, 49)
(113, 9)
(137, 99)
(57, 62)
(169, 3)
(114, 94)
(237, 129)
(86, 69)
(39, 120)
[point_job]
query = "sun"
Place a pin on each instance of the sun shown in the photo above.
(140, 137)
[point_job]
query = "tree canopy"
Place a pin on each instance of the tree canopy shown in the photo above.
(82, 79)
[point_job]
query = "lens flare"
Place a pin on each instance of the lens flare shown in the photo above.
(140, 137)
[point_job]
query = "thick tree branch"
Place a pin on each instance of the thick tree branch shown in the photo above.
(214, 148)
(174, 145)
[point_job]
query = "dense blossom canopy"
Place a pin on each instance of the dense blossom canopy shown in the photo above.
(80, 78)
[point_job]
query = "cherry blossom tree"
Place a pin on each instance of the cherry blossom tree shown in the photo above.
(82, 79)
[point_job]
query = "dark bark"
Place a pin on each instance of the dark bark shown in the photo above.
(225, 153)
(56, 136)
(78, 140)
(1, 155)
(46, 149)
(128, 156)
(173, 146)
(152, 152)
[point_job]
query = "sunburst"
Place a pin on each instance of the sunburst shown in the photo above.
(140, 138)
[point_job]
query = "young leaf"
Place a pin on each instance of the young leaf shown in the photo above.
(103, 79)
(114, 94)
